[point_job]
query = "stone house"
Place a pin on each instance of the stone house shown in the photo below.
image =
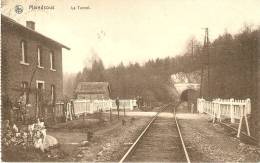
(31, 67)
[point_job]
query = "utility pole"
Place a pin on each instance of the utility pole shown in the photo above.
(201, 79)
(206, 48)
(202, 71)
(205, 53)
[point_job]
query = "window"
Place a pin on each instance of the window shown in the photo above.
(24, 86)
(52, 60)
(39, 84)
(53, 94)
(23, 53)
(39, 57)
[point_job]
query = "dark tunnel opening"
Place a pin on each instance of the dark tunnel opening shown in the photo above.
(190, 96)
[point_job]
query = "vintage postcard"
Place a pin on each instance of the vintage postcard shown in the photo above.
(130, 81)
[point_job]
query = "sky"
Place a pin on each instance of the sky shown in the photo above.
(132, 30)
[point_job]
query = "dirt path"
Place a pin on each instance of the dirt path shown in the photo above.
(108, 144)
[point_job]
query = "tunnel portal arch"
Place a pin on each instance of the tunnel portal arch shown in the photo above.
(190, 97)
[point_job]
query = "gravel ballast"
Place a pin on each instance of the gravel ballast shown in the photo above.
(212, 142)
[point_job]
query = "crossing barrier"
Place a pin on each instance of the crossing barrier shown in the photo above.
(227, 108)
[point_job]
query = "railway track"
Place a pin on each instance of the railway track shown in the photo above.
(160, 141)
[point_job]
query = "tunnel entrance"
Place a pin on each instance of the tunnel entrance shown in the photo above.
(189, 97)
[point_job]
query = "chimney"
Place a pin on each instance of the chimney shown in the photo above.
(30, 24)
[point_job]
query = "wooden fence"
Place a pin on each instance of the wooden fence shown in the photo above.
(127, 104)
(80, 106)
(226, 108)
(87, 106)
(58, 112)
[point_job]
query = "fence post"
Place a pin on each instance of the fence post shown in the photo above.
(54, 113)
(70, 110)
(240, 123)
(214, 112)
(232, 118)
(131, 104)
(110, 114)
(124, 110)
(91, 107)
(86, 108)
(202, 105)
(245, 116)
(199, 105)
(219, 108)
(248, 106)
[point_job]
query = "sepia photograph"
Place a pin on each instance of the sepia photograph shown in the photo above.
(130, 81)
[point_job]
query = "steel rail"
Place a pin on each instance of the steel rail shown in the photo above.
(141, 135)
(182, 141)
(179, 131)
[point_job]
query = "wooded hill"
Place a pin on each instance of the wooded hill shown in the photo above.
(232, 61)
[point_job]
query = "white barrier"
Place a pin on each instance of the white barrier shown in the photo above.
(87, 106)
(124, 104)
(226, 108)
(82, 107)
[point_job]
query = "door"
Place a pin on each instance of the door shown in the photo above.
(39, 99)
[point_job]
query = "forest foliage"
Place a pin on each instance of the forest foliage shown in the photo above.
(232, 63)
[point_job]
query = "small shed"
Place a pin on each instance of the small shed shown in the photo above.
(93, 90)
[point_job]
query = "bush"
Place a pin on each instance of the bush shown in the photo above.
(32, 136)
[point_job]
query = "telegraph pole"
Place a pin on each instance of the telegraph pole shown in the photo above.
(206, 53)
(206, 46)
(201, 79)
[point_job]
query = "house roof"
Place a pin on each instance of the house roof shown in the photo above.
(92, 87)
(5, 19)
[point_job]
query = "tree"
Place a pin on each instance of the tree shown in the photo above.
(230, 58)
